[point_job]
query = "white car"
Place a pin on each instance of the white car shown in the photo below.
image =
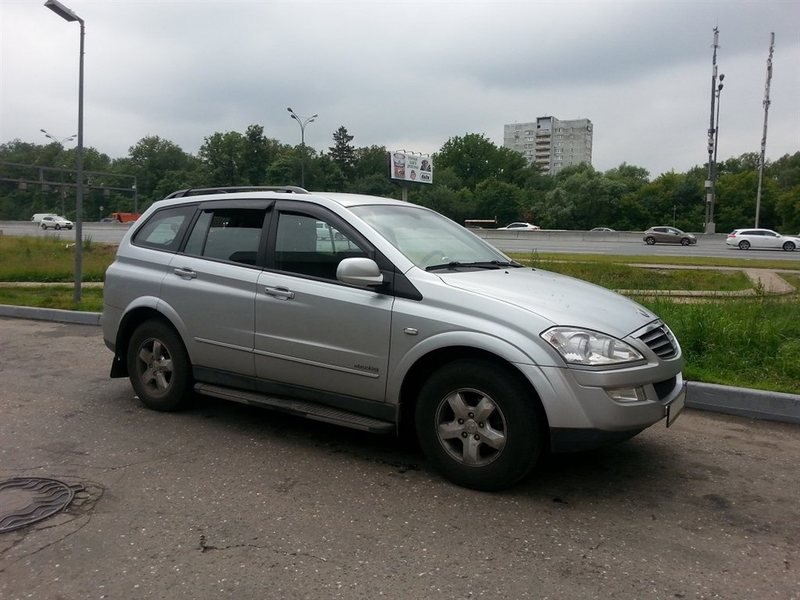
(55, 222)
(37, 218)
(521, 227)
(744, 239)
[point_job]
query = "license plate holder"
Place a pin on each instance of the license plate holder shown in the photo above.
(675, 408)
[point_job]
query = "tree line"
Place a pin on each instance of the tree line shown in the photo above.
(474, 179)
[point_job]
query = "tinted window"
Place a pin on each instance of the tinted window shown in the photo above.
(231, 234)
(308, 245)
(163, 231)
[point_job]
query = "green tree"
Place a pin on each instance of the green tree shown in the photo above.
(342, 152)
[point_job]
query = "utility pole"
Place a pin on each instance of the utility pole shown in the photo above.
(764, 134)
(710, 182)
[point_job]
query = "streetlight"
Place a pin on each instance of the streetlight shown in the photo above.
(58, 141)
(69, 16)
(302, 122)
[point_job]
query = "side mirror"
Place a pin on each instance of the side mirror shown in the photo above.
(359, 271)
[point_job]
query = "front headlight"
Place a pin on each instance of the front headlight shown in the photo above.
(590, 348)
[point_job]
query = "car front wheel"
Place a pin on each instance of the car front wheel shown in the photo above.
(478, 425)
(158, 366)
(685, 242)
(744, 245)
(44, 226)
(788, 246)
(650, 240)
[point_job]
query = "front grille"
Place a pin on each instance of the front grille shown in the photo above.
(661, 341)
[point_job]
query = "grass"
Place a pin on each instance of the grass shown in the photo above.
(52, 297)
(752, 343)
(739, 260)
(49, 259)
(626, 277)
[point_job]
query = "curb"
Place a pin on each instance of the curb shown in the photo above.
(742, 402)
(50, 314)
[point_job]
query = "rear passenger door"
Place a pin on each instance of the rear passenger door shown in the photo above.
(312, 331)
(211, 284)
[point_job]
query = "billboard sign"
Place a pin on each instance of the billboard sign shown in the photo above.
(408, 166)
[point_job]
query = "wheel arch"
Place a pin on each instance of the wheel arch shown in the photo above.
(129, 323)
(416, 376)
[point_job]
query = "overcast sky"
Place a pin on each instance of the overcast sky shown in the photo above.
(405, 74)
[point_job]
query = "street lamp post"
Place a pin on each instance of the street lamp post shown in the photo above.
(302, 122)
(69, 16)
(59, 141)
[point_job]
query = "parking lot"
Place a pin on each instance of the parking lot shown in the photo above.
(228, 501)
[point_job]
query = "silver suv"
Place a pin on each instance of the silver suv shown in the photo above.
(396, 318)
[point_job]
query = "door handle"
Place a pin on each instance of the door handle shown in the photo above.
(185, 272)
(279, 292)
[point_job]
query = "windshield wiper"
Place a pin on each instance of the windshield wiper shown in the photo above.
(480, 264)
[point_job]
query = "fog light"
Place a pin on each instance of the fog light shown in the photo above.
(627, 394)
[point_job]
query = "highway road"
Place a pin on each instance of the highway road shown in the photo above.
(581, 242)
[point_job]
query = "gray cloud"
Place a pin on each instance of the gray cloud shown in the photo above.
(405, 74)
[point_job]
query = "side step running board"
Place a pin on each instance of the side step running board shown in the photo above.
(310, 410)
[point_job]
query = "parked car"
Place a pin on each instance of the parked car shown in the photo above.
(55, 222)
(521, 227)
(412, 322)
(668, 235)
(601, 229)
(745, 239)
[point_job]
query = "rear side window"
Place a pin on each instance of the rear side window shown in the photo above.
(164, 230)
(230, 234)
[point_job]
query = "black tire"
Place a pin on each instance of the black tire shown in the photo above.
(478, 425)
(744, 245)
(685, 241)
(44, 226)
(650, 240)
(158, 367)
(58, 227)
(788, 246)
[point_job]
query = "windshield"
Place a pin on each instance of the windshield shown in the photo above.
(427, 238)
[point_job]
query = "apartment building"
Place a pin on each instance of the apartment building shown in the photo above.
(551, 143)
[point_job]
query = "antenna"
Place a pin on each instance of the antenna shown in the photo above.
(764, 134)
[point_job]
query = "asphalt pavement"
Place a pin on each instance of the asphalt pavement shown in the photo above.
(228, 501)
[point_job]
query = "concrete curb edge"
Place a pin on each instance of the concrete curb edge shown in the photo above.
(77, 317)
(743, 402)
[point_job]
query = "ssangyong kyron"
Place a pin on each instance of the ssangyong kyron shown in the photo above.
(378, 314)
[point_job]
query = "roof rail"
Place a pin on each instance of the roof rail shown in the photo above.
(284, 189)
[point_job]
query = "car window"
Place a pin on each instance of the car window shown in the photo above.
(164, 229)
(227, 234)
(311, 245)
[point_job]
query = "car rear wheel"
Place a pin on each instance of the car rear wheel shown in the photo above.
(478, 425)
(744, 245)
(650, 240)
(788, 246)
(158, 366)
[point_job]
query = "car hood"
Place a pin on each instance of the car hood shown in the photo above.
(560, 299)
